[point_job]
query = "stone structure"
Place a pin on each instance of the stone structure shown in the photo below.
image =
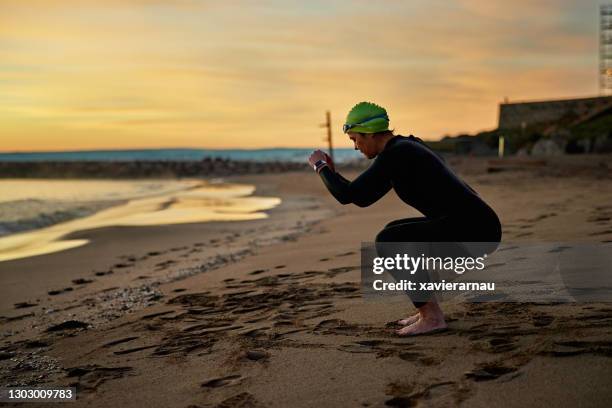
(206, 168)
(567, 112)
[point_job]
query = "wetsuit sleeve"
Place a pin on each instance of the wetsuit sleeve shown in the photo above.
(365, 190)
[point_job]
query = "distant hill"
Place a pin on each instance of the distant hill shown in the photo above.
(575, 125)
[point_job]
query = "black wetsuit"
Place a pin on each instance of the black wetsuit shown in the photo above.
(453, 211)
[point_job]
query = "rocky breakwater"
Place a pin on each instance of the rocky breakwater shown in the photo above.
(142, 169)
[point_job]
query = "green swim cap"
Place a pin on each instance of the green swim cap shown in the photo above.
(366, 117)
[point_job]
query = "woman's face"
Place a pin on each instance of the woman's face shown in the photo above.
(365, 143)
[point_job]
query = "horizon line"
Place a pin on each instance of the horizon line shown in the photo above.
(440, 138)
(137, 149)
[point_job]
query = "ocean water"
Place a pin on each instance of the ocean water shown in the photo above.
(35, 215)
(279, 154)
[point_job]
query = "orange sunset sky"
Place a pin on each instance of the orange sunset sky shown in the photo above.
(113, 74)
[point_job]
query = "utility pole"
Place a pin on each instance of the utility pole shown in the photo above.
(327, 125)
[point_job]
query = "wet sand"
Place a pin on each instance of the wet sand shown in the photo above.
(268, 312)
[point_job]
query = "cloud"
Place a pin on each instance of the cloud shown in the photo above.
(263, 73)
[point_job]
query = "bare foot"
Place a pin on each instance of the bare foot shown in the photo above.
(409, 320)
(422, 326)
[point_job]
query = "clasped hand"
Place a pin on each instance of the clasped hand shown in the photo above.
(321, 155)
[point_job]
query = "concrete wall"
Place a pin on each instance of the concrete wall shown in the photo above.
(512, 115)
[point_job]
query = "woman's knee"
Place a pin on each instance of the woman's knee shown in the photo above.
(383, 236)
(380, 243)
(392, 223)
(405, 221)
(397, 222)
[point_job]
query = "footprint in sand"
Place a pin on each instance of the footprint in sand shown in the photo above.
(343, 269)
(59, 291)
(183, 344)
(599, 219)
(489, 372)
(244, 399)
(24, 305)
(335, 326)
(120, 341)
(5, 355)
(68, 325)
(560, 248)
(410, 356)
(541, 217)
(409, 395)
(604, 232)
(494, 265)
(81, 281)
(573, 347)
(15, 318)
(29, 344)
(542, 320)
(354, 348)
(195, 299)
(164, 264)
(123, 265)
(228, 380)
(267, 281)
(510, 248)
(90, 377)
(152, 315)
(518, 258)
(501, 344)
(257, 355)
(132, 350)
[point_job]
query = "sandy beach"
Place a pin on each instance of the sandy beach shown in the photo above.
(268, 312)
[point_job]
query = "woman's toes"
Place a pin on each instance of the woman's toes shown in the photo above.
(421, 327)
(408, 320)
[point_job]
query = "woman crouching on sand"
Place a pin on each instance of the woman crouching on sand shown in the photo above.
(453, 212)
